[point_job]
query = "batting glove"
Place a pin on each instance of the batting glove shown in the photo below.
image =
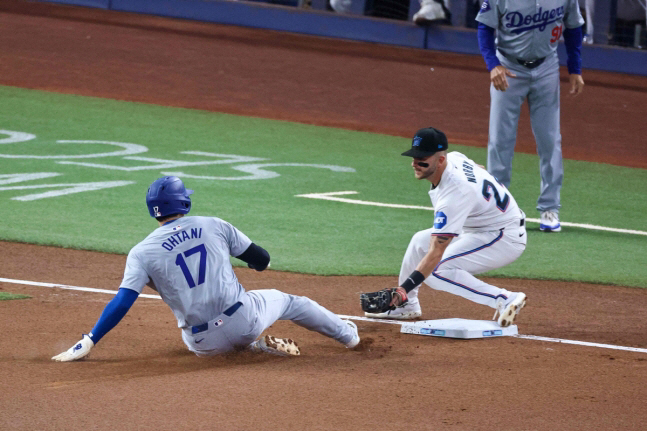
(78, 351)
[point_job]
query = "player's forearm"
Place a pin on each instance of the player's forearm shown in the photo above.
(429, 262)
(113, 313)
(485, 35)
(573, 44)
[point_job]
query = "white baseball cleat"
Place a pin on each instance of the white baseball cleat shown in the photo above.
(355, 340)
(430, 10)
(410, 310)
(550, 222)
(509, 311)
(276, 346)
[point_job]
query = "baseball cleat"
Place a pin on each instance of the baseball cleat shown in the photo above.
(410, 310)
(355, 340)
(549, 222)
(276, 346)
(430, 10)
(510, 311)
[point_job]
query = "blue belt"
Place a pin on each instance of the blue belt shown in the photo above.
(228, 312)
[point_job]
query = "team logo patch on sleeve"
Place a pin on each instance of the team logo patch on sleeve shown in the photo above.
(440, 220)
(485, 6)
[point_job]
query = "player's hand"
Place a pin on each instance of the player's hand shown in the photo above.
(399, 297)
(498, 77)
(77, 351)
(577, 84)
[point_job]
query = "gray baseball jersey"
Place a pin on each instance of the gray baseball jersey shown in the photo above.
(527, 29)
(187, 262)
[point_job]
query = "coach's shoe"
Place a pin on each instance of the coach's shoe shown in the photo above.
(430, 10)
(509, 310)
(341, 6)
(355, 340)
(410, 310)
(549, 222)
(276, 346)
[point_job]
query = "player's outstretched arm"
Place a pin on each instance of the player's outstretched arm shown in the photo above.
(110, 317)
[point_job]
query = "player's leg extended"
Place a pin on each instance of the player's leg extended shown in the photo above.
(505, 108)
(543, 101)
(475, 253)
(273, 305)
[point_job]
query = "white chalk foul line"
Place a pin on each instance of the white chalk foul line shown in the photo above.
(64, 286)
(526, 337)
(366, 319)
(334, 196)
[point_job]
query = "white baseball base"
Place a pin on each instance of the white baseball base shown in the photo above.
(458, 328)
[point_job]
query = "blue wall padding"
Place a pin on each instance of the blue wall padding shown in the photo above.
(354, 27)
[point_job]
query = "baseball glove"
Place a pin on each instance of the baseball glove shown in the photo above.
(383, 300)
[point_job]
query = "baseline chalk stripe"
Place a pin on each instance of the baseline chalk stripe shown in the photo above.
(365, 319)
(334, 196)
(63, 286)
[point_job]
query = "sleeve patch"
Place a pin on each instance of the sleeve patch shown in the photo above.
(440, 220)
(485, 6)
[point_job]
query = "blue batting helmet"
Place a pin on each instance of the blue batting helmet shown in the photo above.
(167, 195)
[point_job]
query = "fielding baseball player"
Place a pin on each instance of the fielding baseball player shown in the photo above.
(186, 260)
(477, 227)
(524, 66)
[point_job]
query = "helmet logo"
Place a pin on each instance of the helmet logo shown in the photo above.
(157, 212)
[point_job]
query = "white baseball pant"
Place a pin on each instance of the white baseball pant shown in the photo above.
(468, 254)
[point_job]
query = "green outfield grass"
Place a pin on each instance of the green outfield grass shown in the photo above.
(303, 235)
(5, 296)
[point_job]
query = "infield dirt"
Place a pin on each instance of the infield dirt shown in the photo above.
(142, 377)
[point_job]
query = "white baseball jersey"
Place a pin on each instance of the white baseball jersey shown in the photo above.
(529, 29)
(187, 262)
(469, 199)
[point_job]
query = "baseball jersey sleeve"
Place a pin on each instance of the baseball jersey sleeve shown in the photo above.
(135, 276)
(489, 14)
(238, 242)
(451, 214)
(573, 18)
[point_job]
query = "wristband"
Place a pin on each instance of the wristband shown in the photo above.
(415, 279)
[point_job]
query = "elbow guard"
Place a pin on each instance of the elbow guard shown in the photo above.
(255, 257)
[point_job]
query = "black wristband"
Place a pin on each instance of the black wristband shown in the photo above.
(415, 279)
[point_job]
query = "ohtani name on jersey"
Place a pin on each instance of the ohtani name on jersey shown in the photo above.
(180, 237)
(520, 22)
(468, 170)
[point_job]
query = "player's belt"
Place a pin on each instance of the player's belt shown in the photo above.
(530, 64)
(228, 312)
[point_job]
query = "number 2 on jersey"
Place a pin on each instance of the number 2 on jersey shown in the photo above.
(489, 189)
(179, 261)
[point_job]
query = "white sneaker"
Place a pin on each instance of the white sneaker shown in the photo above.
(508, 311)
(276, 346)
(341, 6)
(410, 310)
(355, 340)
(549, 222)
(430, 10)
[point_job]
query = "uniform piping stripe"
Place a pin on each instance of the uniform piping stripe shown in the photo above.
(465, 254)
(444, 234)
